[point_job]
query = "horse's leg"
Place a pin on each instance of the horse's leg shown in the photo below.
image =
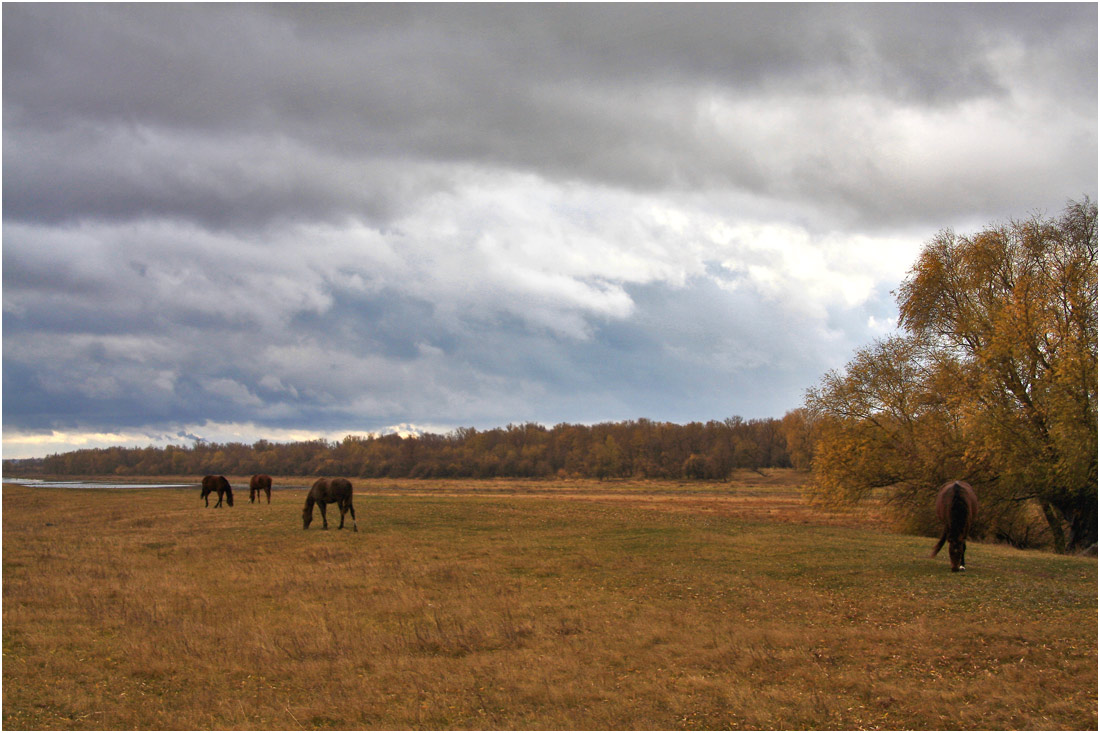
(219, 500)
(343, 510)
(268, 490)
(324, 519)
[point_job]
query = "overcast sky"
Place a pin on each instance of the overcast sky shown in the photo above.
(237, 222)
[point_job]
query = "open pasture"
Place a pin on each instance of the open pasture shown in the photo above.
(495, 606)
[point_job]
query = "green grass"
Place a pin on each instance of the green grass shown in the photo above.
(143, 609)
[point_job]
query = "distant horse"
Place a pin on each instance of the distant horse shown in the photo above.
(219, 484)
(325, 491)
(260, 482)
(956, 506)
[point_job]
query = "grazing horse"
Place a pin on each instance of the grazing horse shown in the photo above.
(219, 484)
(260, 482)
(956, 506)
(324, 491)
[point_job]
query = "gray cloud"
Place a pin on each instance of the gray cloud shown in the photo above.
(330, 216)
(780, 101)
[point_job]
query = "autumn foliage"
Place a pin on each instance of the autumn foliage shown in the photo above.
(993, 380)
(637, 448)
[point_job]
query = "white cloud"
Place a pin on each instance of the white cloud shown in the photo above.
(442, 315)
(24, 444)
(233, 391)
(881, 326)
(30, 444)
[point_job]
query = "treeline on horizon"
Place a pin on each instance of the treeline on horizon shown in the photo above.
(633, 449)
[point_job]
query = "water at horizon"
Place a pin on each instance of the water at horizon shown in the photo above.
(94, 484)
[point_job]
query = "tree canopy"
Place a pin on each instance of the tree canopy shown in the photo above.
(993, 378)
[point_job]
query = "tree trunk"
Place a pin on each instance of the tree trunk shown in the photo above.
(1055, 524)
(1082, 525)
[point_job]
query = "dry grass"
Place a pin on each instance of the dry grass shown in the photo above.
(548, 606)
(777, 495)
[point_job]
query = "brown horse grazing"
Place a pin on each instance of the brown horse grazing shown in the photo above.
(956, 506)
(325, 491)
(219, 484)
(259, 482)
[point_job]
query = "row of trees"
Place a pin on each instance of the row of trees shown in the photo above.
(638, 448)
(993, 378)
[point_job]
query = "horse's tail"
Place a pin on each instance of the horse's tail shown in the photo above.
(939, 545)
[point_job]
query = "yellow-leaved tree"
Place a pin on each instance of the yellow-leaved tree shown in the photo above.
(994, 380)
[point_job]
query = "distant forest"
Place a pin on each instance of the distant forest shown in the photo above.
(637, 448)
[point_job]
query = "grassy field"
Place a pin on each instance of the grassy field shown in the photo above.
(527, 605)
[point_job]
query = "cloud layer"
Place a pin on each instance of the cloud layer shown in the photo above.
(336, 218)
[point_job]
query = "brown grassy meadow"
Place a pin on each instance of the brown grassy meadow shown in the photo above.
(534, 605)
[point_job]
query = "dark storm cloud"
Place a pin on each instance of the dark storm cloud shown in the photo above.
(198, 111)
(350, 216)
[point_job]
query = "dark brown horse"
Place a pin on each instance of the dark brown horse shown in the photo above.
(220, 485)
(259, 482)
(956, 506)
(326, 491)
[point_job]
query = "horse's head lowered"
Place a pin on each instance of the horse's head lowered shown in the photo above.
(307, 513)
(956, 549)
